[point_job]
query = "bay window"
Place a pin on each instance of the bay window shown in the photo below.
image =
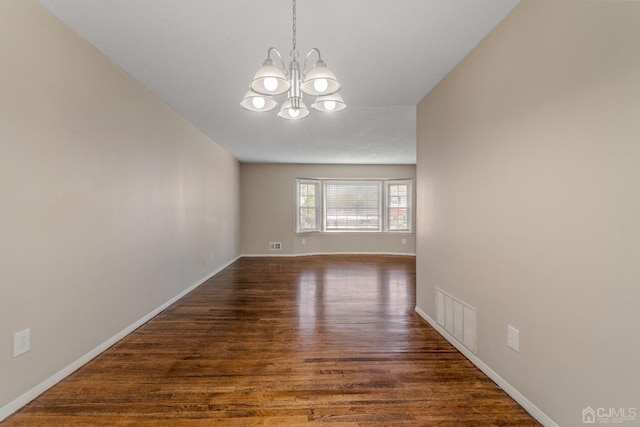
(369, 205)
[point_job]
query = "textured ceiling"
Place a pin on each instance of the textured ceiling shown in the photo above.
(199, 56)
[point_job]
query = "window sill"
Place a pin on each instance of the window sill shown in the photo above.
(338, 232)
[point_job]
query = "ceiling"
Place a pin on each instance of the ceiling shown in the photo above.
(199, 56)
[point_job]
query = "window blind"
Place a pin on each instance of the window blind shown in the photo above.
(352, 205)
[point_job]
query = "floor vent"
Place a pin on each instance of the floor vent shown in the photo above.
(275, 246)
(457, 318)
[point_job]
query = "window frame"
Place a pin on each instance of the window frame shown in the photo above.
(318, 206)
(409, 205)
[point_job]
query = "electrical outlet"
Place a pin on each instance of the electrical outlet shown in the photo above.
(404, 241)
(513, 338)
(21, 342)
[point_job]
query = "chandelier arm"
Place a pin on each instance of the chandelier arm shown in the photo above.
(306, 59)
(273, 49)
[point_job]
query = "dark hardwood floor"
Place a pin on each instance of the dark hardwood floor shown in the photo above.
(284, 342)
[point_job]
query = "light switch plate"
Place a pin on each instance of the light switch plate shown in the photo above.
(513, 338)
(21, 342)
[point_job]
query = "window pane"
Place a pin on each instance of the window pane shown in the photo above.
(308, 219)
(398, 207)
(398, 219)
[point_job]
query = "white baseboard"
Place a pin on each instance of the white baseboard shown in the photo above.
(27, 397)
(270, 254)
(508, 388)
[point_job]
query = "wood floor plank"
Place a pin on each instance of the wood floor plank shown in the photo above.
(284, 342)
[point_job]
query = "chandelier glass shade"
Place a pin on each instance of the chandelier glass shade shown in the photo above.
(290, 111)
(320, 81)
(271, 81)
(329, 103)
(254, 101)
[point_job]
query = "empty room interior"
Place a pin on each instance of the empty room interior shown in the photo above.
(428, 214)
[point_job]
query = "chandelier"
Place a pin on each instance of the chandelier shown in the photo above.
(271, 81)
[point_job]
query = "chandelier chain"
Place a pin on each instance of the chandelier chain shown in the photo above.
(294, 28)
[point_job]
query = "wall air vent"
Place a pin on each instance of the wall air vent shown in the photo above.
(275, 246)
(457, 318)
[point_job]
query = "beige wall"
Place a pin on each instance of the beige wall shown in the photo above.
(268, 211)
(529, 201)
(112, 204)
